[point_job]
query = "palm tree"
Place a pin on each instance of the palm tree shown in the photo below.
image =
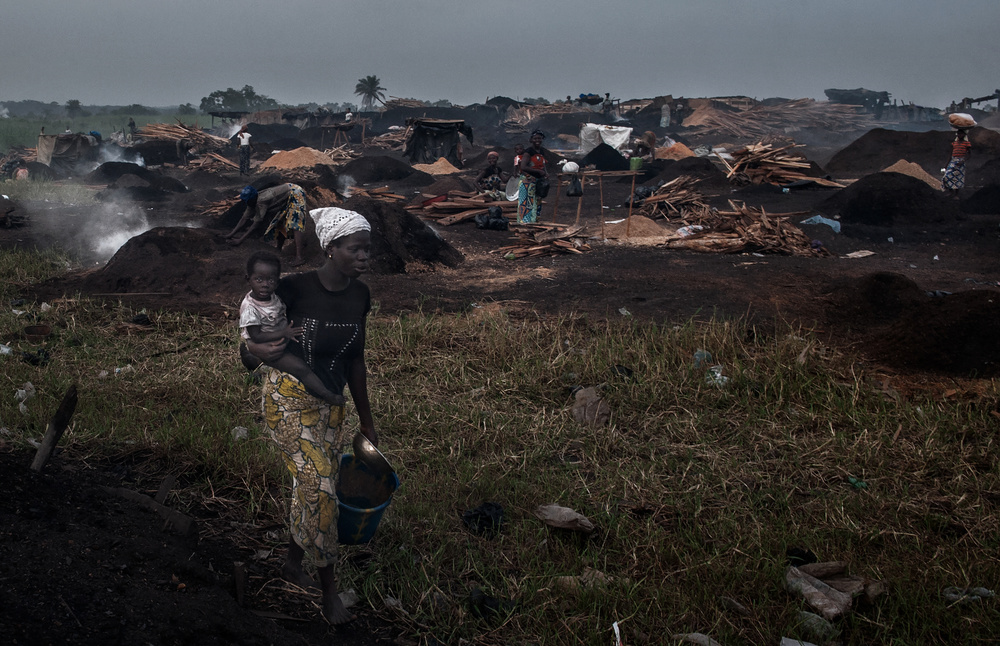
(370, 91)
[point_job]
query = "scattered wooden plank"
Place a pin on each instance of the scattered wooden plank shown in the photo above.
(56, 429)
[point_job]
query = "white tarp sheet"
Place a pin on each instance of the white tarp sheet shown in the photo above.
(592, 134)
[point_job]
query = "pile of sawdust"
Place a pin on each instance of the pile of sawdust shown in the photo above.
(677, 151)
(299, 158)
(638, 227)
(914, 170)
(441, 167)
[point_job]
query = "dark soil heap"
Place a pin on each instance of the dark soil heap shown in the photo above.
(371, 169)
(401, 240)
(889, 199)
(605, 158)
(880, 148)
(908, 329)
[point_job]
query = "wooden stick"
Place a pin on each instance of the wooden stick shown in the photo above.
(600, 184)
(555, 209)
(631, 201)
(55, 430)
(579, 204)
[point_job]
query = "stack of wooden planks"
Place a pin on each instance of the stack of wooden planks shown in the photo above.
(761, 163)
(383, 193)
(392, 140)
(213, 162)
(746, 229)
(459, 206)
(341, 154)
(763, 120)
(175, 132)
(675, 196)
(545, 240)
(396, 102)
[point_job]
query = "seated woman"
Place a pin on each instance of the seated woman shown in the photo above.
(492, 180)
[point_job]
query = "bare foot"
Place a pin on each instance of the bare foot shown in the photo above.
(334, 610)
(298, 262)
(296, 576)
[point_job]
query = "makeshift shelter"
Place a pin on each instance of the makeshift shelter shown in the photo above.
(432, 139)
(592, 134)
(63, 152)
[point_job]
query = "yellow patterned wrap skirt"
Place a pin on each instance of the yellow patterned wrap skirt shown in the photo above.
(309, 434)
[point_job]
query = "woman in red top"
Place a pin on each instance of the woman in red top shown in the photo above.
(954, 174)
(532, 169)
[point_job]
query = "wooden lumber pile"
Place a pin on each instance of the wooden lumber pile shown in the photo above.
(341, 154)
(545, 240)
(213, 162)
(516, 119)
(217, 209)
(675, 196)
(763, 120)
(745, 229)
(459, 206)
(382, 193)
(176, 132)
(392, 140)
(763, 164)
(396, 102)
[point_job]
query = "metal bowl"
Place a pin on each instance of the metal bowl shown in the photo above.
(369, 454)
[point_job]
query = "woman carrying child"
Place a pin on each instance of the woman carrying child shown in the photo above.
(331, 306)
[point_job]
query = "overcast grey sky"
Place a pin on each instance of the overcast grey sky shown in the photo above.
(167, 52)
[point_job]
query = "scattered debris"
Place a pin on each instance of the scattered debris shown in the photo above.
(590, 408)
(564, 518)
(485, 520)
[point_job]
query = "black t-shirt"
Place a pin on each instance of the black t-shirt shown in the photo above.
(333, 324)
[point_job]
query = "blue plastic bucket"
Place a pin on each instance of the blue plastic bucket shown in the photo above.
(362, 497)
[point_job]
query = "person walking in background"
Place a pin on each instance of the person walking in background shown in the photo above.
(245, 147)
(954, 174)
(332, 306)
(531, 169)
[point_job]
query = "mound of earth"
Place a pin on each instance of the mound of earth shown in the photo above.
(441, 167)
(985, 175)
(985, 201)
(120, 577)
(197, 269)
(299, 158)
(377, 168)
(110, 171)
(445, 184)
(889, 199)
(954, 334)
(605, 158)
(878, 148)
(286, 143)
(905, 327)
(400, 240)
(188, 263)
(904, 167)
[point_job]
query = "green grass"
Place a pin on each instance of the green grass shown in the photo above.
(38, 190)
(696, 489)
(23, 131)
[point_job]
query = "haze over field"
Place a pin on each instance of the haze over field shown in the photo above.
(156, 53)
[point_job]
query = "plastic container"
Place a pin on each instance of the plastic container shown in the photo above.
(635, 163)
(362, 498)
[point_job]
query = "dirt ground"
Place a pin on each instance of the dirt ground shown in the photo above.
(922, 308)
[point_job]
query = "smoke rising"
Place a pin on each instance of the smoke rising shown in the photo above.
(92, 235)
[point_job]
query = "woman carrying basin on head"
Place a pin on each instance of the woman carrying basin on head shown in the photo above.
(331, 305)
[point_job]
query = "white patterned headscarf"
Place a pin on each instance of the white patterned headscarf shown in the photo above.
(333, 223)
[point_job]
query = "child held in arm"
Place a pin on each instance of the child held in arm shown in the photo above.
(262, 319)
